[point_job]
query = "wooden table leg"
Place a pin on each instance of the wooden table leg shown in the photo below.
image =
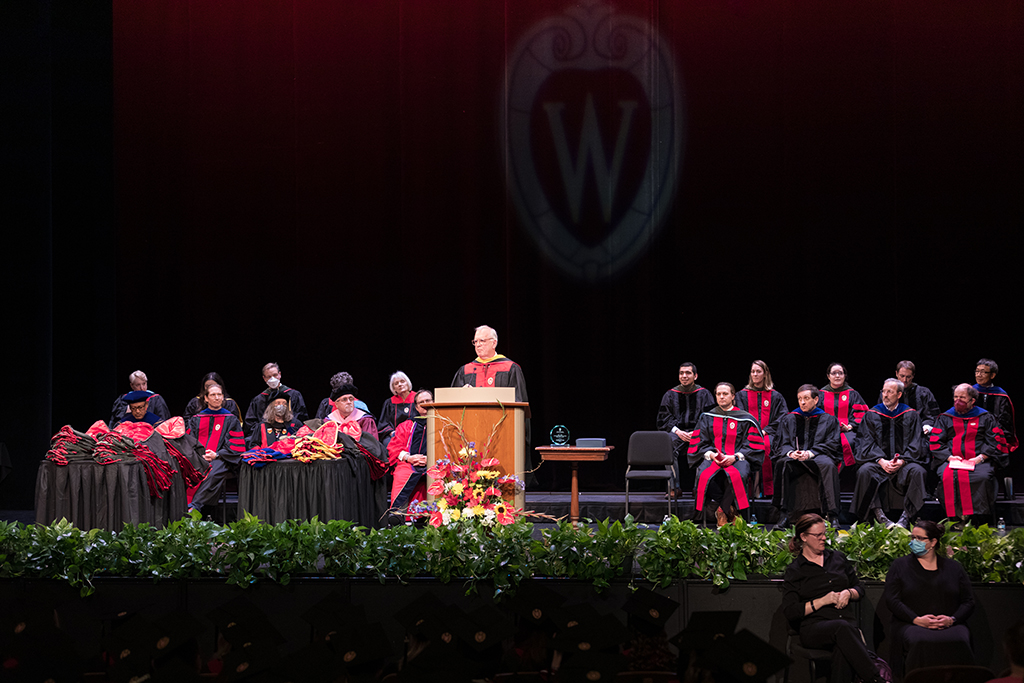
(574, 506)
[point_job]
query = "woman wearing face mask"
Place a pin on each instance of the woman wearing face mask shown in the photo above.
(930, 598)
(819, 585)
(278, 421)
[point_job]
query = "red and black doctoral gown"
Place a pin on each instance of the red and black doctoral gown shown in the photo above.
(767, 407)
(818, 432)
(409, 485)
(220, 431)
(682, 408)
(496, 372)
(920, 399)
(996, 401)
(848, 406)
(395, 411)
(732, 432)
(499, 372)
(259, 404)
(967, 435)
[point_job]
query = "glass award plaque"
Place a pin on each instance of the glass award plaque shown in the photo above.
(559, 436)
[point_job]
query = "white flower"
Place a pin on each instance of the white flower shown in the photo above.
(467, 512)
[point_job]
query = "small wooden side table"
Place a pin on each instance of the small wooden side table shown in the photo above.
(574, 455)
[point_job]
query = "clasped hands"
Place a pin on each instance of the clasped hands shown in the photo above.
(933, 621)
(892, 466)
(840, 599)
(800, 455)
(723, 460)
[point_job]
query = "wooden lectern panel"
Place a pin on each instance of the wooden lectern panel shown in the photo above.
(478, 410)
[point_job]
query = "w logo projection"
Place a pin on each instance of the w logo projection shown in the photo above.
(594, 133)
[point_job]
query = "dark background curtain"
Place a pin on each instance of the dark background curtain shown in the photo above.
(211, 186)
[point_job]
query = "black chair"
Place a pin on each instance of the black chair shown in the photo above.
(813, 656)
(651, 451)
(228, 496)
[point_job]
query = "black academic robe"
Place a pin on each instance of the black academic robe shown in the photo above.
(267, 433)
(817, 432)
(922, 400)
(258, 404)
(394, 412)
(967, 435)
(996, 401)
(682, 409)
(847, 406)
(154, 404)
(884, 434)
(767, 407)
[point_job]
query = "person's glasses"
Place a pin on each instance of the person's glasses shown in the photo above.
(480, 341)
(923, 539)
(836, 373)
(821, 535)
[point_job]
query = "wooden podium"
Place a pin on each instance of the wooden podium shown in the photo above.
(478, 409)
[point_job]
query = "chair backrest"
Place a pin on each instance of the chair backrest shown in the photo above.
(650, 448)
(950, 673)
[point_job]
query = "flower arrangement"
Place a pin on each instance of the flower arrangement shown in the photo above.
(468, 488)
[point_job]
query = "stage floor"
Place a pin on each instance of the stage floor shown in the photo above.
(651, 508)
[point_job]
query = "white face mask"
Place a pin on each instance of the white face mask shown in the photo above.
(280, 410)
(274, 382)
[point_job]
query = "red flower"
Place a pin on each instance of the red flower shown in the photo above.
(504, 515)
(436, 488)
(491, 491)
(436, 518)
(491, 462)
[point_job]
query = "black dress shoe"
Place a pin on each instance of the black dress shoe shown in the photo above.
(783, 522)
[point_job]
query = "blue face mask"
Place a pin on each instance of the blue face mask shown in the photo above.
(918, 547)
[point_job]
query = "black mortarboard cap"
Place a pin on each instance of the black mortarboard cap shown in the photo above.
(246, 662)
(592, 634)
(535, 602)
(703, 629)
(589, 667)
(242, 623)
(745, 658)
(130, 648)
(484, 627)
(417, 613)
(136, 396)
(334, 616)
(367, 645)
(649, 611)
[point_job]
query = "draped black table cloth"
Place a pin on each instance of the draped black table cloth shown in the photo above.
(95, 496)
(327, 489)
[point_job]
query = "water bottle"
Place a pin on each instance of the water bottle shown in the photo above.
(1001, 527)
(753, 518)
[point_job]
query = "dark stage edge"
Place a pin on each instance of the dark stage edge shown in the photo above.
(651, 508)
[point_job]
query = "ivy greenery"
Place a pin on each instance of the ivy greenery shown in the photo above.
(500, 557)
